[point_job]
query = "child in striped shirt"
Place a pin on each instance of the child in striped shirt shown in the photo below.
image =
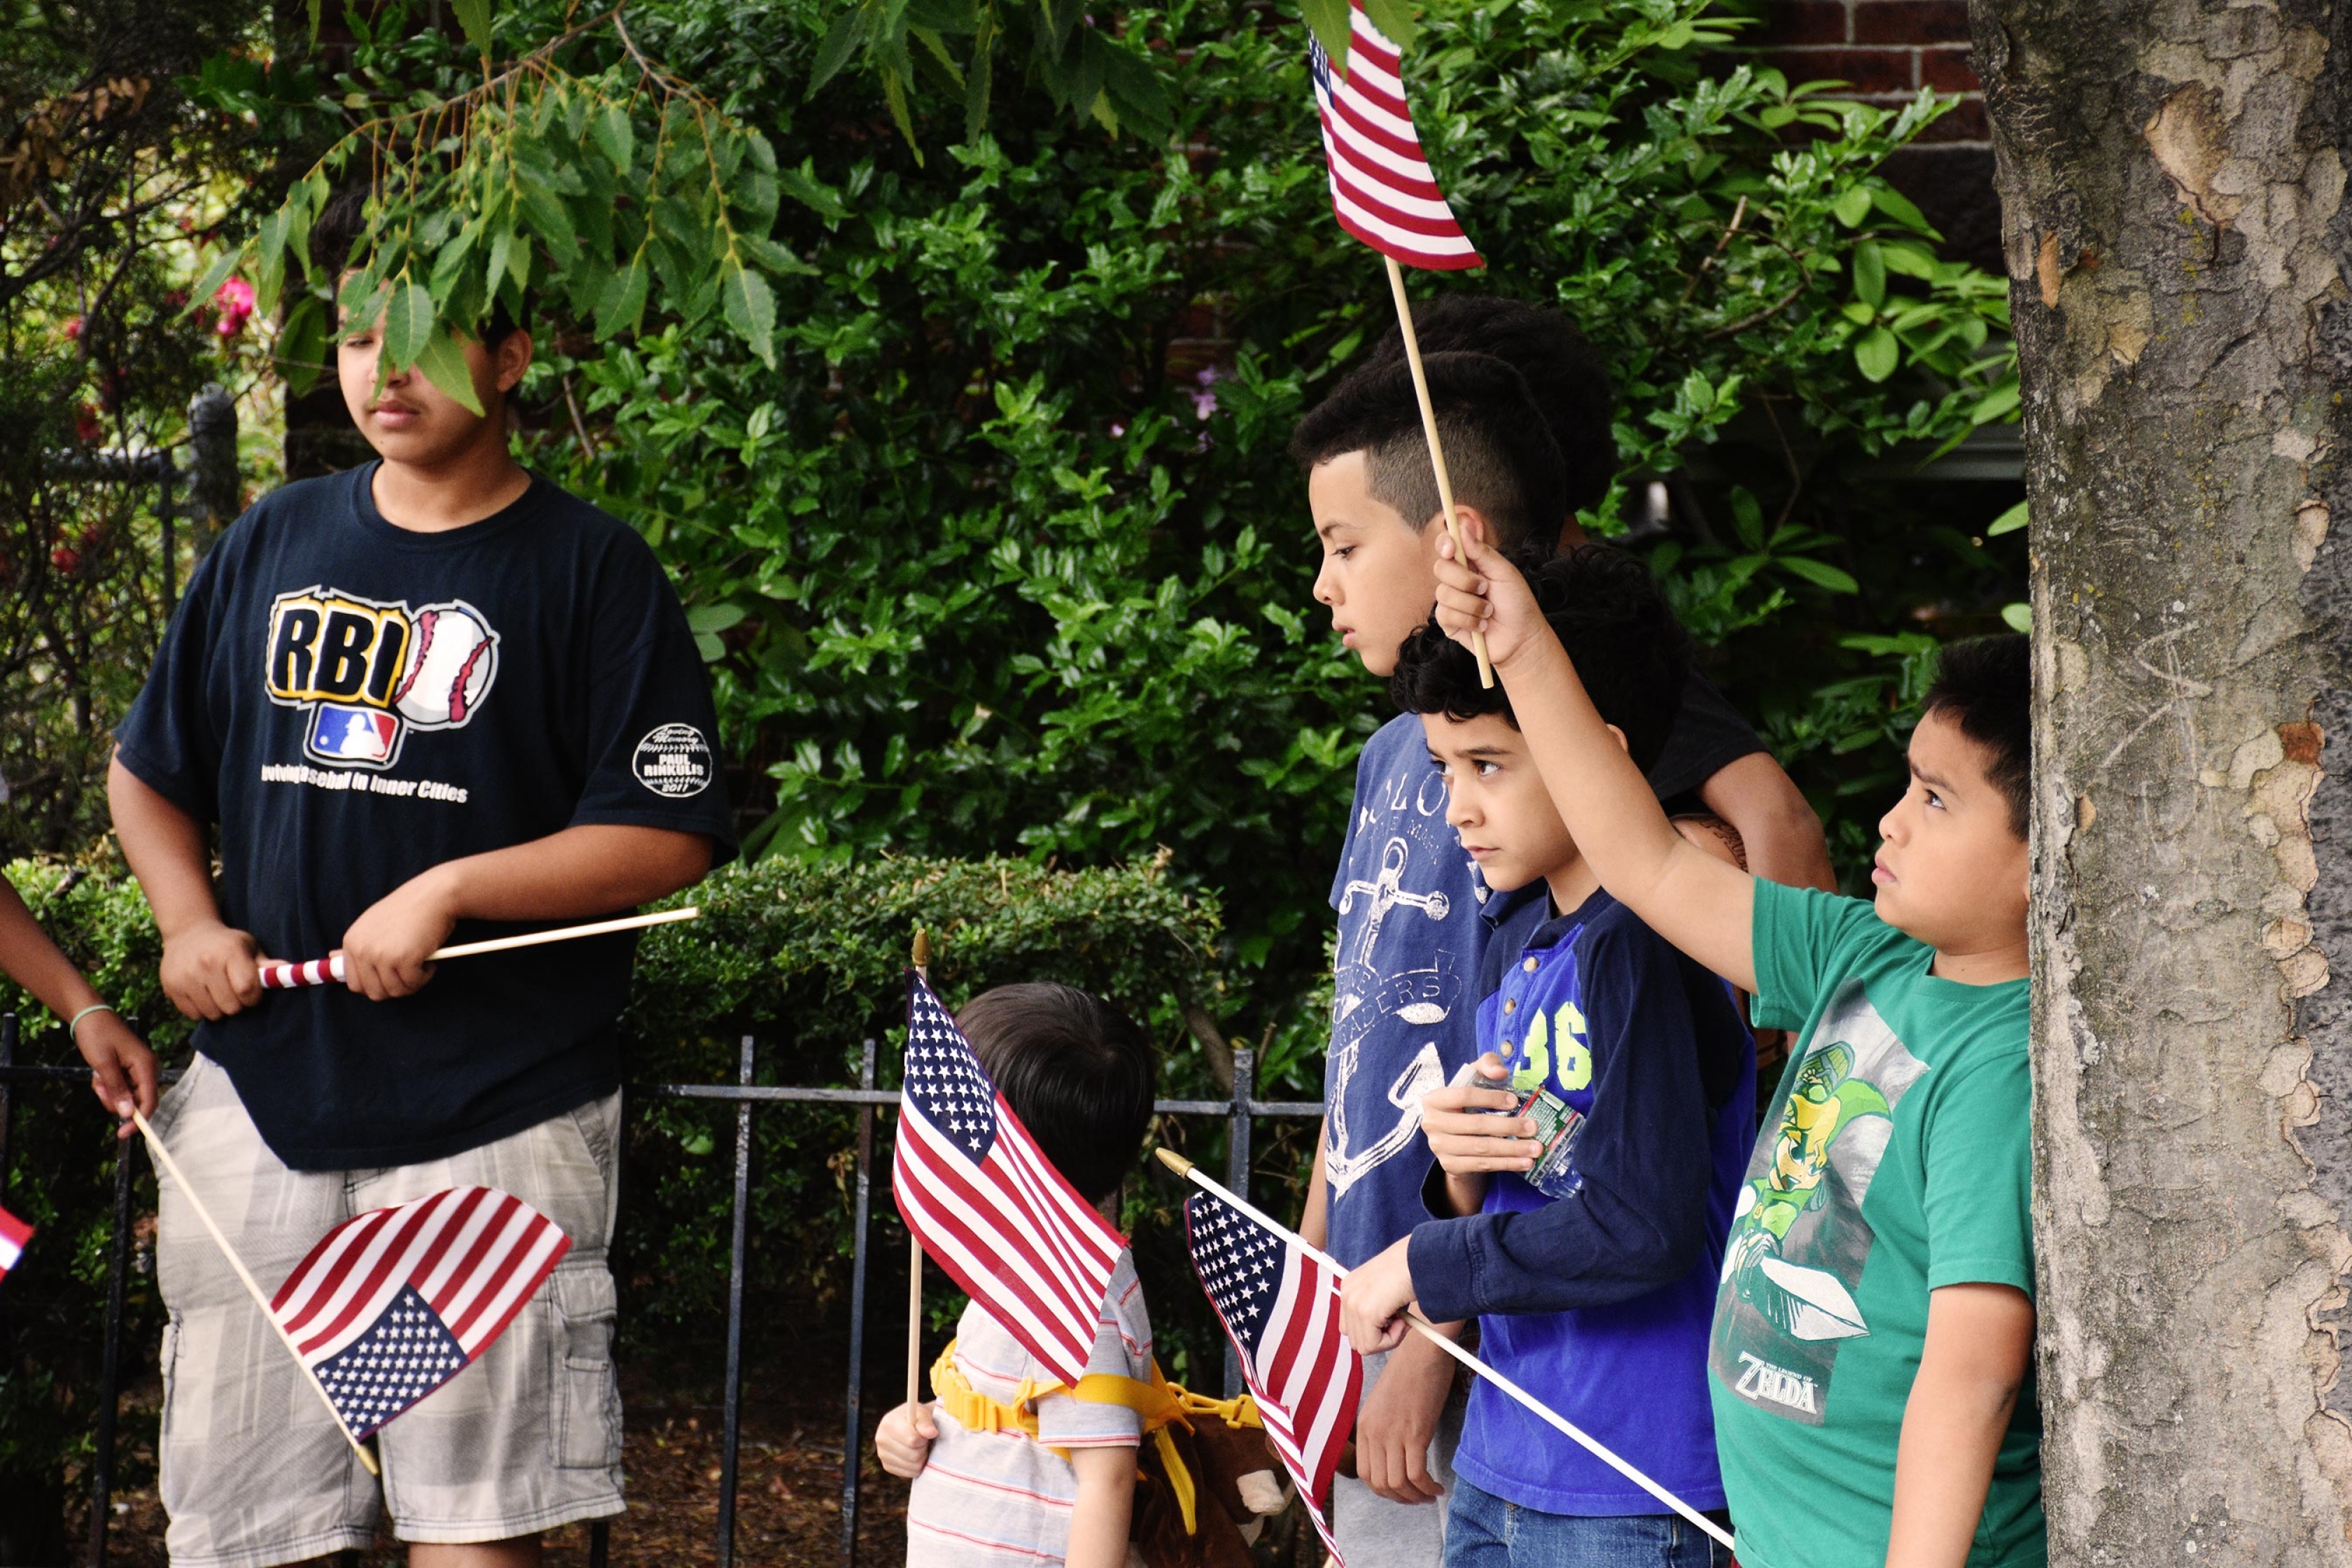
(1080, 1076)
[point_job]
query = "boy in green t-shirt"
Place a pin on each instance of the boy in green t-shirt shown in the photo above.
(1871, 1350)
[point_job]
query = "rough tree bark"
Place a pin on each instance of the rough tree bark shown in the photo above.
(2172, 176)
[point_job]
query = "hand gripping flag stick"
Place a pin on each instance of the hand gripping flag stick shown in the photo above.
(1421, 1326)
(244, 1276)
(330, 971)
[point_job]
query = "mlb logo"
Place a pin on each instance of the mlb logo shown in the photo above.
(365, 736)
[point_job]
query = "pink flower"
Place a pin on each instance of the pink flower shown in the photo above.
(235, 299)
(73, 330)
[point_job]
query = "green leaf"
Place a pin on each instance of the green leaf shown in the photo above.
(1747, 517)
(451, 261)
(2019, 616)
(1328, 20)
(1395, 18)
(407, 322)
(616, 138)
(774, 257)
(502, 253)
(1820, 574)
(544, 211)
(1900, 207)
(1876, 353)
(714, 617)
(301, 352)
(621, 305)
(833, 54)
(474, 16)
(2009, 522)
(215, 276)
(1138, 91)
(1869, 276)
(712, 651)
(803, 185)
(750, 309)
(443, 362)
(1998, 403)
(1852, 205)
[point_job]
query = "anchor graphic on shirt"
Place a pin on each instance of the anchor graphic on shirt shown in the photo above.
(1387, 892)
(1423, 1075)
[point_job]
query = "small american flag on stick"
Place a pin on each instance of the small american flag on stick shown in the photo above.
(977, 1192)
(1281, 1305)
(1382, 188)
(393, 1303)
(14, 1233)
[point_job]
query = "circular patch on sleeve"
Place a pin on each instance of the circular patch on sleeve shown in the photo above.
(674, 762)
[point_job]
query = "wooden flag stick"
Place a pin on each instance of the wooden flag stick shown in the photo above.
(921, 959)
(1437, 448)
(1421, 1326)
(252, 1286)
(321, 972)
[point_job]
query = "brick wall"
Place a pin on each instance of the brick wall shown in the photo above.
(1886, 50)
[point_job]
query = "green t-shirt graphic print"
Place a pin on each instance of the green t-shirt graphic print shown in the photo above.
(1896, 1160)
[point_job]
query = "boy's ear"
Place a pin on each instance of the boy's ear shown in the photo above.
(511, 358)
(1474, 522)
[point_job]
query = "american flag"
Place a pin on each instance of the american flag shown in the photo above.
(987, 1206)
(1281, 1305)
(1382, 187)
(14, 1233)
(393, 1303)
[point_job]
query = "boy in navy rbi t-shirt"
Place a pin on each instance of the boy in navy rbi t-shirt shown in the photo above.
(1592, 1262)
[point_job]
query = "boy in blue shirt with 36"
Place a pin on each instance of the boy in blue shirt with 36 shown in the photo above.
(1589, 1254)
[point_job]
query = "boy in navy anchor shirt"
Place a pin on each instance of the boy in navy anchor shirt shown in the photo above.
(1593, 1263)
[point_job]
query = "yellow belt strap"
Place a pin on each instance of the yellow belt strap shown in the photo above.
(1161, 1404)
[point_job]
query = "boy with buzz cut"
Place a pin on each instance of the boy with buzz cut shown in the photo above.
(1591, 1266)
(431, 697)
(1406, 898)
(1871, 1356)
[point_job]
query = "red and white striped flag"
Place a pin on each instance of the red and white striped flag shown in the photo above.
(1382, 187)
(393, 1303)
(14, 1233)
(986, 1203)
(1280, 1306)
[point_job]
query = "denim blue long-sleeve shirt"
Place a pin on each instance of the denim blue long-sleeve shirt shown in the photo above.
(1599, 1299)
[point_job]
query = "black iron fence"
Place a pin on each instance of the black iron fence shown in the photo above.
(1237, 1110)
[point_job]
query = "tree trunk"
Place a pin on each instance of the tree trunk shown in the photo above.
(2172, 176)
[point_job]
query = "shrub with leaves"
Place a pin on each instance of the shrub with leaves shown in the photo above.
(995, 560)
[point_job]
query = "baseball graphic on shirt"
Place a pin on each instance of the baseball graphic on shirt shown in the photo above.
(451, 663)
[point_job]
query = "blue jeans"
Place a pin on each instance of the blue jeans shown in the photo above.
(1482, 1530)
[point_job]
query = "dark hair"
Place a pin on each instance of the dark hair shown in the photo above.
(1076, 1069)
(1630, 653)
(1563, 371)
(1498, 452)
(338, 227)
(1986, 686)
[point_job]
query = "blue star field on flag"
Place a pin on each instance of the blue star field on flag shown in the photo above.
(407, 1355)
(944, 1079)
(1240, 1264)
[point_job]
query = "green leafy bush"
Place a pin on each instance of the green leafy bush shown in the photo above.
(995, 560)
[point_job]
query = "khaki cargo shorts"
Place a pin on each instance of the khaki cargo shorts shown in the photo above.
(253, 1469)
